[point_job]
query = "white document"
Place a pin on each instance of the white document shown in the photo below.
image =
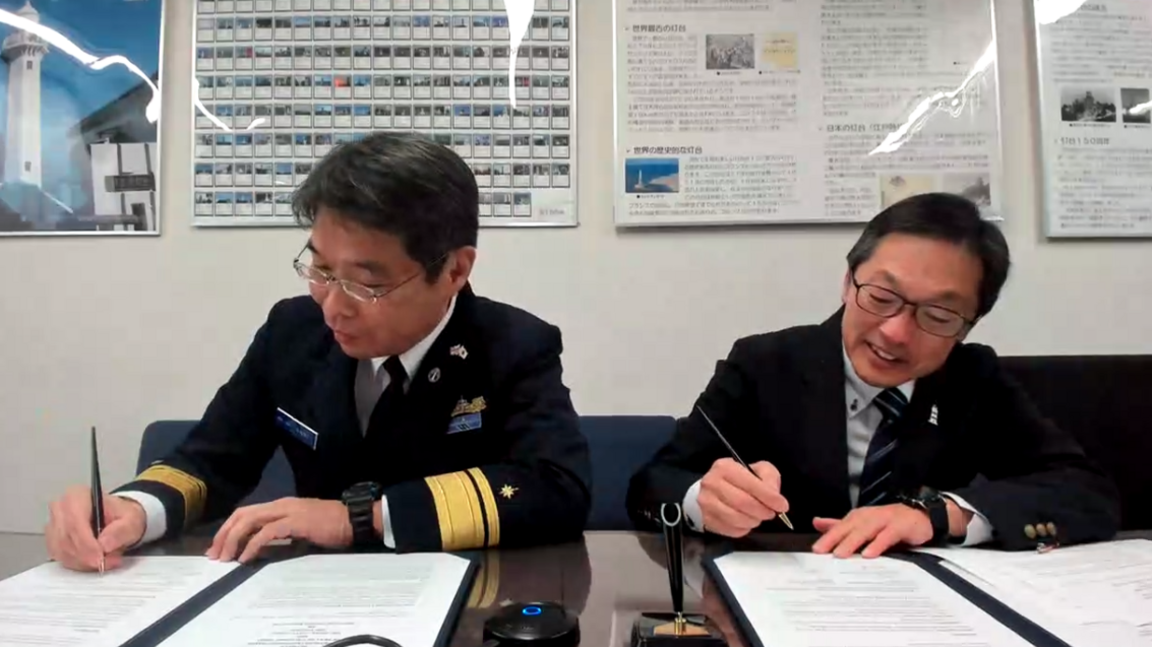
(51, 605)
(317, 599)
(1087, 595)
(809, 600)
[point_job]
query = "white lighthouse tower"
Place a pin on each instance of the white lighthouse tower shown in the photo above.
(24, 53)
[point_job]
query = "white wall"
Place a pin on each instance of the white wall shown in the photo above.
(117, 332)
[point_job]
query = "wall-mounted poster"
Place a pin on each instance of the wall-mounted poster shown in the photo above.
(732, 112)
(282, 82)
(1095, 69)
(79, 117)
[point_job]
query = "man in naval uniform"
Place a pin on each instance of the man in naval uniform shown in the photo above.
(414, 413)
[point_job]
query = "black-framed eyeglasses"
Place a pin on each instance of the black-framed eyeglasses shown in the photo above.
(357, 291)
(932, 319)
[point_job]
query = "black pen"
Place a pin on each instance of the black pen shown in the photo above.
(674, 545)
(97, 498)
(736, 457)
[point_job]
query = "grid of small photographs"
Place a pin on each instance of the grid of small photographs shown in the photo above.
(280, 82)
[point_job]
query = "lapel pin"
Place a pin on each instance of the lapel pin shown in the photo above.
(434, 375)
(932, 416)
(458, 351)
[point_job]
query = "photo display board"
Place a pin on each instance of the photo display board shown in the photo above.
(822, 111)
(1095, 75)
(280, 82)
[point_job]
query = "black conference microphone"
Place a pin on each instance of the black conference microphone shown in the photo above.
(533, 624)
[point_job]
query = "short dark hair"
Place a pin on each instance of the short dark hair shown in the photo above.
(947, 217)
(403, 184)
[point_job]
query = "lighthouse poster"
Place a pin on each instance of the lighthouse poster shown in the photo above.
(79, 117)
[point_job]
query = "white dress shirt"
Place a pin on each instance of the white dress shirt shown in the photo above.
(863, 417)
(371, 380)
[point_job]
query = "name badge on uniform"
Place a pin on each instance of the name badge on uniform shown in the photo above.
(297, 429)
(466, 416)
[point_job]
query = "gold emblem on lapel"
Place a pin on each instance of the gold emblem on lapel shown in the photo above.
(507, 491)
(465, 407)
(458, 351)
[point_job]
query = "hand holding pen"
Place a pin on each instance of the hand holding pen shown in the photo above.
(97, 493)
(736, 498)
(88, 530)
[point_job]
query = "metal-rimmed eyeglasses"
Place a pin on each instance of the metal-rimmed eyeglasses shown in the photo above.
(358, 291)
(932, 319)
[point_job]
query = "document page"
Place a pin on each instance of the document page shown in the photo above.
(1084, 594)
(809, 600)
(316, 599)
(51, 605)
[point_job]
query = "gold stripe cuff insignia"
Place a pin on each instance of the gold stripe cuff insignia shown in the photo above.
(487, 583)
(492, 582)
(457, 510)
(490, 509)
(194, 491)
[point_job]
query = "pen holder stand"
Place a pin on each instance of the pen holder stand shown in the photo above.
(670, 630)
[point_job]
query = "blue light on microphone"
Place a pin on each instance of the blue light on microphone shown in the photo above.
(531, 611)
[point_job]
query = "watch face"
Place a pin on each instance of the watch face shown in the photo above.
(929, 495)
(361, 490)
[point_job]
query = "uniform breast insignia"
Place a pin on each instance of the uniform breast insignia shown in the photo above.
(507, 491)
(466, 416)
(458, 351)
(463, 406)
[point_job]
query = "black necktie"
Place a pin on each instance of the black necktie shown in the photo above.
(389, 402)
(876, 479)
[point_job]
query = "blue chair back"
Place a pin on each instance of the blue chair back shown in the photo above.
(163, 436)
(619, 445)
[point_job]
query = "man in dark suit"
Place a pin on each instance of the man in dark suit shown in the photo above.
(879, 426)
(415, 414)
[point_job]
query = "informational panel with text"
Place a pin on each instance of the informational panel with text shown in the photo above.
(281, 82)
(782, 111)
(1096, 116)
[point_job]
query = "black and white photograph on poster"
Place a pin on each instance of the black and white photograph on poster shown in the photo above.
(730, 51)
(975, 186)
(1136, 104)
(326, 74)
(79, 117)
(1088, 104)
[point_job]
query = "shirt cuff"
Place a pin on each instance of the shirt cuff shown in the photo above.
(691, 506)
(386, 523)
(155, 518)
(979, 528)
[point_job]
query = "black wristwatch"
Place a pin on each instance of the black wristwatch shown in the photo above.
(359, 499)
(931, 502)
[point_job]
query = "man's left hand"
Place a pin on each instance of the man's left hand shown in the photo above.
(321, 522)
(880, 527)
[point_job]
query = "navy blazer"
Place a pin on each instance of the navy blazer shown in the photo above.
(485, 451)
(969, 429)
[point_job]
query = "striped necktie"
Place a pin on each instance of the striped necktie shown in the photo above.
(876, 478)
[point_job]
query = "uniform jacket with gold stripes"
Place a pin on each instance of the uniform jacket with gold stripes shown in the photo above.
(516, 471)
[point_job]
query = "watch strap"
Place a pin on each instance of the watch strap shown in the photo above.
(360, 499)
